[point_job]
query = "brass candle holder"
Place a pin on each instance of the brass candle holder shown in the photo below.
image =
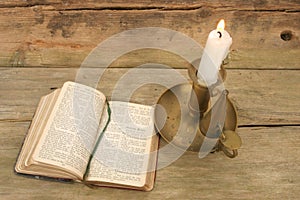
(186, 117)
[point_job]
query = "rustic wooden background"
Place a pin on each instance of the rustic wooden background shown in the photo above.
(43, 43)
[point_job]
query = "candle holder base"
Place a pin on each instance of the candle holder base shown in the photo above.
(179, 126)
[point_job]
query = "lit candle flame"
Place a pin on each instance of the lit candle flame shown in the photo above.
(221, 25)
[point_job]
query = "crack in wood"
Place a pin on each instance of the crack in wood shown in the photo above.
(26, 5)
(128, 67)
(267, 125)
(239, 126)
(137, 8)
(58, 7)
(5, 149)
(15, 120)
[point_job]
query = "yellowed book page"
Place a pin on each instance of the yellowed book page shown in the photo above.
(25, 163)
(123, 153)
(39, 123)
(33, 135)
(69, 137)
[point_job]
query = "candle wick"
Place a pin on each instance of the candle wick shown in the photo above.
(220, 34)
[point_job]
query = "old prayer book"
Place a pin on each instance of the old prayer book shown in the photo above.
(77, 135)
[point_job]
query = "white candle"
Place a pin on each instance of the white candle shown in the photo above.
(215, 51)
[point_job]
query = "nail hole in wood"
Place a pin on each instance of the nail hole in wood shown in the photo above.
(286, 35)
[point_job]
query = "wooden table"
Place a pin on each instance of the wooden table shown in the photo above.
(43, 43)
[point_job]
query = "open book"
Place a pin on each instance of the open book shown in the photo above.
(77, 135)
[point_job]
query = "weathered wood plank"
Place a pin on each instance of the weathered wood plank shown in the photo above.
(38, 36)
(262, 96)
(60, 34)
(267, 168)
(156, 4)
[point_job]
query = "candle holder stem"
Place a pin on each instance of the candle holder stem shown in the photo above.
(199, 99)
(184, 112)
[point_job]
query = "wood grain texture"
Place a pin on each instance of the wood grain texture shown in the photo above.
(42, 36)
(253, 91)
(157, 4)
(273, 174)
(43, 43)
